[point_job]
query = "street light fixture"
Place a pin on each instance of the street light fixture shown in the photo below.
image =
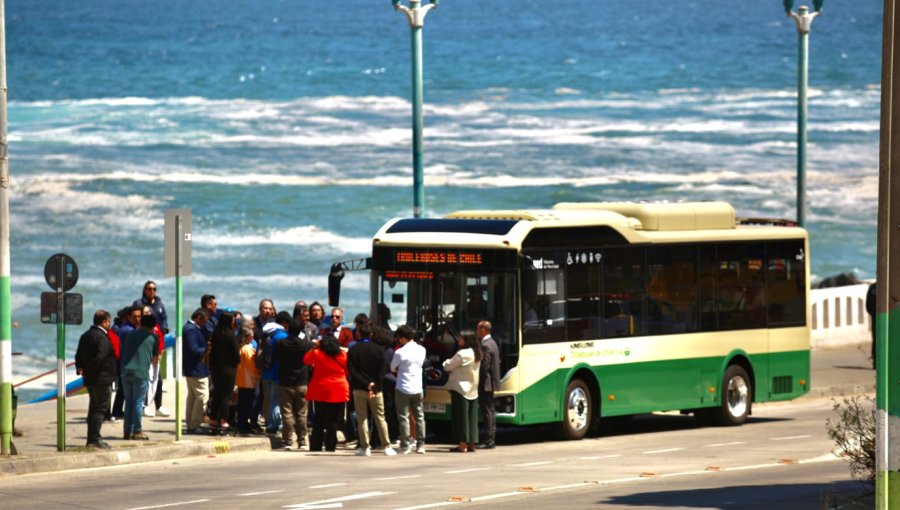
(415, 14)
(803, 19)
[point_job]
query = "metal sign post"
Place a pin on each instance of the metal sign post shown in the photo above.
(177, 237)
(61, 274)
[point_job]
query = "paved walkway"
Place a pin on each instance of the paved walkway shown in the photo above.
(836, 371)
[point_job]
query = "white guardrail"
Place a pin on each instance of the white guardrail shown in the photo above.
(838, 316)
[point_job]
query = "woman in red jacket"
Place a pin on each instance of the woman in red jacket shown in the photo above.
(329, 389)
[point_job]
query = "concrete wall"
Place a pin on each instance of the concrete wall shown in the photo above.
(838, 316)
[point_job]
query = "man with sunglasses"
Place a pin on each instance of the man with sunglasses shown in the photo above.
(344, 335)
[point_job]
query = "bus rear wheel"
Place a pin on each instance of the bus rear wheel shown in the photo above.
(737, 396)
(578, 410)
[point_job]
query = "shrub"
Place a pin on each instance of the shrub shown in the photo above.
(854, 433)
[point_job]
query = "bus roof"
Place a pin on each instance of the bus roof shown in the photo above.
(634, 222)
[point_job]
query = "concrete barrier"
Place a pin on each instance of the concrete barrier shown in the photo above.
(838, 316)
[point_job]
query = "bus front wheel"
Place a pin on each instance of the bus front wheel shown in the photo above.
(578, 410)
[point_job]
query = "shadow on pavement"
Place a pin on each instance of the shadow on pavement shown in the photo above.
(844, 495)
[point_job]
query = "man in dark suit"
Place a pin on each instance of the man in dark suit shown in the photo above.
(488, 382)
(195, 369)
(96, 361)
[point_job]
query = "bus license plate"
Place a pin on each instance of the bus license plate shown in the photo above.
(435, 408)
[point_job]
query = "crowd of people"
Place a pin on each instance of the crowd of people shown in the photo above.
(311, 378)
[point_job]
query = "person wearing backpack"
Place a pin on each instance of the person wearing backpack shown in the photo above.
(272, 333)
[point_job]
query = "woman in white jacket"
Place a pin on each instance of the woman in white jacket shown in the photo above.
(463, 385)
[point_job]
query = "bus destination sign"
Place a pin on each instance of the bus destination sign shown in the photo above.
(437, 257)
(441, 259)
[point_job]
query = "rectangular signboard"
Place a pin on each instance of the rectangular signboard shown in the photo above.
(175, 242)
(73, 304)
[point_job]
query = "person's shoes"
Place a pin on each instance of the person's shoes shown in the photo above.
(487, 445)
(112, 419)
(162, 411)
(420, 449)
(127, 436)
(98, 444)
(461, 448)
(471, 447)
(287, 448)
(407, 450)
(192, 432)
(364, 452)
(139, 436)
(390, 452)
(148, 413)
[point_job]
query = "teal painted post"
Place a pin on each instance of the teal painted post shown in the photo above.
(60, 372)
(6, 422)
(415, 14)
(417, 122)
(802, 107)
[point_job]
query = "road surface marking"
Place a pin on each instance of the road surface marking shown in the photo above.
(171, 504)
(599, 457)
(733, 443)
(429, 505)
(687, 473)
(756, 466)
(327, 485)
(399, 477)
(465, 471)
(500, 495)
(336, 502)
(527, 464)
(786, 438)
(257, 493)
(568, 486)
(828, 457)
(667, 450)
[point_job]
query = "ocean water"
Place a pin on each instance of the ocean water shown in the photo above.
(285, 126)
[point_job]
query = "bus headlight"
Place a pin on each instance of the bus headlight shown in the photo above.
(505, 404)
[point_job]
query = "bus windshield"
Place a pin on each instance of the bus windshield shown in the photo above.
(443, 305)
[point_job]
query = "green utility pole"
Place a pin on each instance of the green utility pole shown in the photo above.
(803, 18)
(415, 14)
(887, 449)
(6, 426)
(887, 453)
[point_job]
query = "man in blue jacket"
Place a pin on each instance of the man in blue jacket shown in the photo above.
(195, 369)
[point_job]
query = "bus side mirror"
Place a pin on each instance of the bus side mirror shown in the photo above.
(334, 284)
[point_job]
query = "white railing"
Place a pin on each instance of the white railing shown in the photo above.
(838, 316)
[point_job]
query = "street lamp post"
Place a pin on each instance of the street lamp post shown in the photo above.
(415, 14)
(803, 19)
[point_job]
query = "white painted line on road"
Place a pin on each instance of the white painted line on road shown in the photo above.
(327, 485)
(465, 471)
(755, 466)
(622, 480)
(495, 496)
(171, 504)
(429, 505)
(399, 477)
(667, 450)
(600, 457)
(787, 438)
(257, 493)
(569, 486)
(687, 473)
(527, 464)
(733, 443)
(828, 457)
(336, 502)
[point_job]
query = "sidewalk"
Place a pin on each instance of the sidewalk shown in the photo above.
(837, 371)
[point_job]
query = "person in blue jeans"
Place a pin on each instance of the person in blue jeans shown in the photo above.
(139, 349)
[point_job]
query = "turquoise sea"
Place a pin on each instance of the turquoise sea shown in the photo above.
(284, 125)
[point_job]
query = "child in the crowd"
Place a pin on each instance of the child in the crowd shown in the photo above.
(246, 380)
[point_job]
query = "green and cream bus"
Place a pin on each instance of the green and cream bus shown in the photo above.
(607, 309)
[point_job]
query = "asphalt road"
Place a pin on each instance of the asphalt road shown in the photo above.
(781, 459)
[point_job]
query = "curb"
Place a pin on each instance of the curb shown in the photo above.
(79, 460)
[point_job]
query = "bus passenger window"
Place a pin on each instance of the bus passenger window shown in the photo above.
(543, 299)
